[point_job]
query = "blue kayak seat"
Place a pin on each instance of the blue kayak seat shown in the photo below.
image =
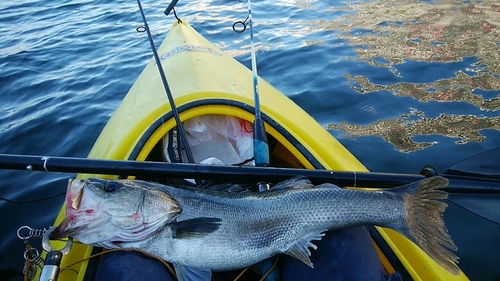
(344, 254)
(130, 266)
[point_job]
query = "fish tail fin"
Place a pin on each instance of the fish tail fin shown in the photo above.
(424, 220)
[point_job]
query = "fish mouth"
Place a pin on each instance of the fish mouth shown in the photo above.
(63, 230)
(74, 196)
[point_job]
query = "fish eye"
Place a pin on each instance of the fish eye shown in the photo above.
(111, 186)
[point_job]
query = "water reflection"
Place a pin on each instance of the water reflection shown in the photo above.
(442, 31)
(399, 131)
(391, 33)
(460, 88)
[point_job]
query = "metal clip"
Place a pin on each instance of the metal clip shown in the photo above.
(33, 261)
(32, 255)
(263, 186)
(32, 233)
(47, 247)
(50, 271)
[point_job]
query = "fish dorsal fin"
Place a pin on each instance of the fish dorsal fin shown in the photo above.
(197, 227)
(301, 251)
(186, 273)
(228, 187)
(298, 182)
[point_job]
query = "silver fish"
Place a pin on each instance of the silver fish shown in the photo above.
(200, 230)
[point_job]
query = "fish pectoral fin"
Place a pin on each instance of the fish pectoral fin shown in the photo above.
(195, 228)
(297, 182)
(301, 251)
(186, 273)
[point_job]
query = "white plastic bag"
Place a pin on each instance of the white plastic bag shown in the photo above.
(226, 138)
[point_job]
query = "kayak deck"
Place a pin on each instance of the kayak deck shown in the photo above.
(206, 81)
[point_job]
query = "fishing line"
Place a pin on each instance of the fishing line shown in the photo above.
(122, 249)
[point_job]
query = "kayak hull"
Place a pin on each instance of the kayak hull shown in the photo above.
(204, 81)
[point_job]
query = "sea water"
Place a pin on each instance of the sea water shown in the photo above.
(401, 84)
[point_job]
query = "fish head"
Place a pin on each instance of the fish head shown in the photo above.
(107, 212)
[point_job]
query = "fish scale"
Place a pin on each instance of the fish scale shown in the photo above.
(272, 223)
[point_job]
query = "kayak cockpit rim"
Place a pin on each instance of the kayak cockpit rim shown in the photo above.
(161, 126)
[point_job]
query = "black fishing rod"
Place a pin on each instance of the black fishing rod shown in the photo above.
(154, 170)
(180, 128)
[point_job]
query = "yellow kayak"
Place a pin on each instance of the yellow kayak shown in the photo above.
(207, 82)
